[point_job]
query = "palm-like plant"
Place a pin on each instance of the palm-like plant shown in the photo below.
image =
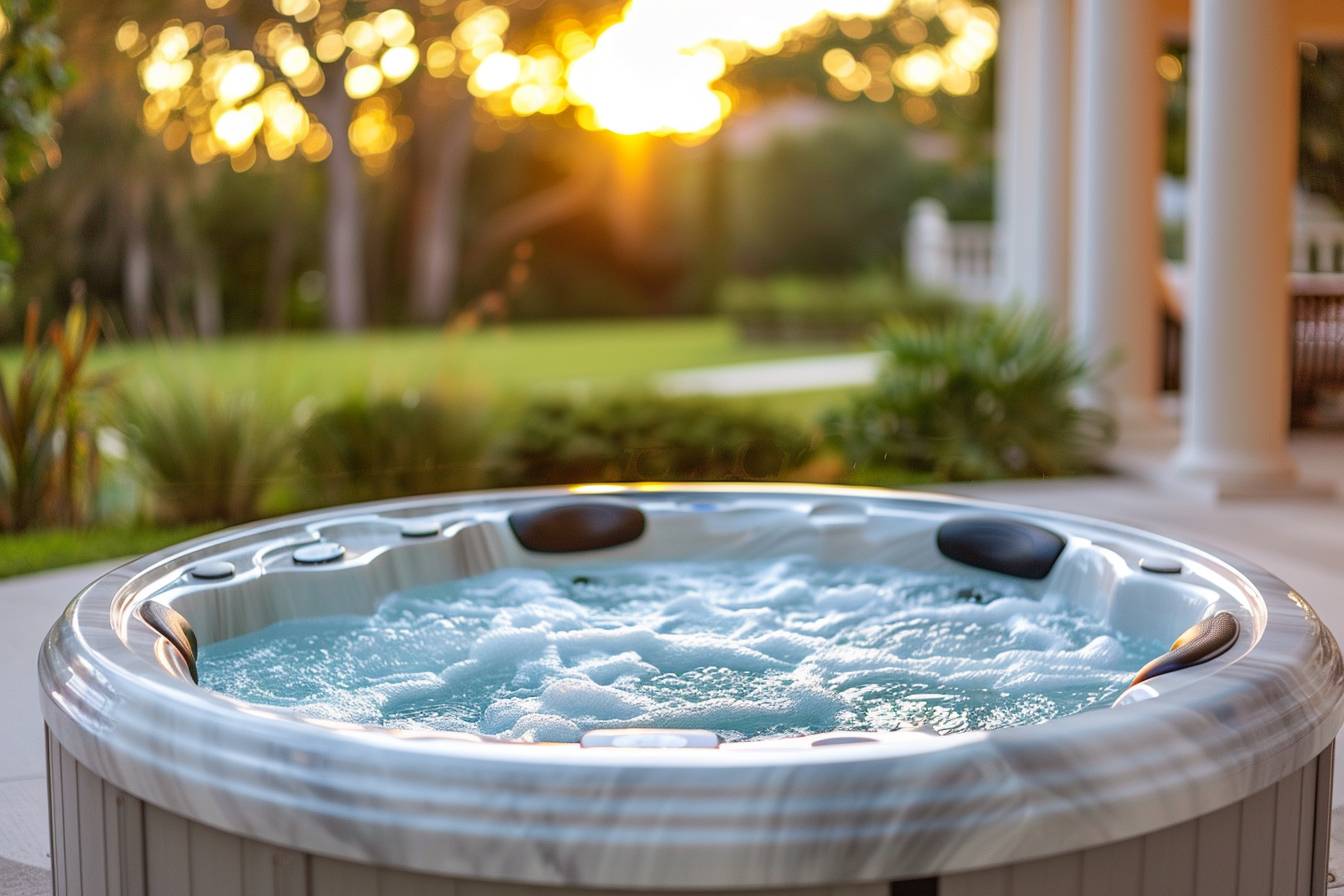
(48, 453)
(985, 395)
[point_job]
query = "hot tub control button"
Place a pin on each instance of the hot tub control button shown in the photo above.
(320, 552)
(1161, 565)
(212, 570)
(420, 529)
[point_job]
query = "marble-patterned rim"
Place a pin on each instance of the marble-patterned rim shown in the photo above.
(764, 815)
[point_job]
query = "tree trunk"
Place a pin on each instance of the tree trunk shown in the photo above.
(205, 295)
(137, 268)
(280, 261)
(437, 228)
(537, 211)
(343, 242)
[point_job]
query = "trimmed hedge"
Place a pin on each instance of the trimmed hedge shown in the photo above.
(365, 449)
(841, 310)
(641, 437)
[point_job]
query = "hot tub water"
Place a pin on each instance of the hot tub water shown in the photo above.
(749, 650)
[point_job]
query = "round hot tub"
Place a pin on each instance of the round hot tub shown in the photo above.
(1207, 768)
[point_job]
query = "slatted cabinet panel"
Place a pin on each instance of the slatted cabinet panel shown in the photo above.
(1273, 843)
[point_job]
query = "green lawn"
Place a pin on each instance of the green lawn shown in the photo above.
(518, 358)
(321, 367)
(47, 549)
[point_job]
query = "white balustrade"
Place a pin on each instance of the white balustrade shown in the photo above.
(957, 257)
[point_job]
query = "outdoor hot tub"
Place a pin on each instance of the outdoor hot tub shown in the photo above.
(1211, 772)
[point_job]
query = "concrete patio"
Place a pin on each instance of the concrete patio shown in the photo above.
(1301, 540)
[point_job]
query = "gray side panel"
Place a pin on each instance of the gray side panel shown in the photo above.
(1255, 862)
(167, 853)
(1114, 870)
(1320, 854)
(1169, 861)
(332, 877)
(405, 883)
(1215, 849)
(1287, 821)
(92, 846)
(989, 882)
(55, 825)
(70, 822)
(126, 841)
(112, 834)
(1306, 826)
(273, 871)
(1060, 875)
(216, 862)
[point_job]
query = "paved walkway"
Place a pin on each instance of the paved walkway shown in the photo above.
(29, 605)
(1300, 540)
(769, 377)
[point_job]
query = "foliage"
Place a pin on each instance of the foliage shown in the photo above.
(835, 199)
(987, 395)
(1321, 151)
(839, 309)
(204, 453)
(633, 437)
(48, 449)
(362, 450)
(32, 78)
(41, 549)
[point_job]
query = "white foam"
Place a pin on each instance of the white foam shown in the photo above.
(778, 648)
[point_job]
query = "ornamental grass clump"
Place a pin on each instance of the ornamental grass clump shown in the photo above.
(984, 395)
(636, 437)
(202, 454)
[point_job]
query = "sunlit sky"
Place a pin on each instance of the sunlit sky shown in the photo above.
(657, 67)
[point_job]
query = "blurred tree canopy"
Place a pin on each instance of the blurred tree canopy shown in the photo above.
(234, 164)
(32, 76)
(1321, 155)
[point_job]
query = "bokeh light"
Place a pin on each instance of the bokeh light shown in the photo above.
(655, 67)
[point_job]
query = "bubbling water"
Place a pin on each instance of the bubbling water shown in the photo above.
(748, 650)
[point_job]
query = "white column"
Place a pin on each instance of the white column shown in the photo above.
(1033, 145)
(1243, 160)
(1116, 152)
(1009, 171)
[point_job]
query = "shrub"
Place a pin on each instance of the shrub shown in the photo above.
(985, 396)
(361, 449)
(48, 449)
(837, 309)
(203, 455)
(627, 438)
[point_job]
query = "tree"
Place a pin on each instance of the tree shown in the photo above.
(343, 81)
(32, 77)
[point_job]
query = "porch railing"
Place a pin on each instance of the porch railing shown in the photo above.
(958, 257)
(1318, 246)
